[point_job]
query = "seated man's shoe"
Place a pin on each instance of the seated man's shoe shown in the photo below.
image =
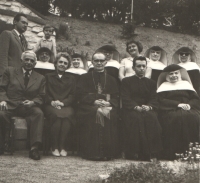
(56, 152)
(34, 154)
(63, 153)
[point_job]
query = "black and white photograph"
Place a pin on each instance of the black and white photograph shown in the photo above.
(99, 91)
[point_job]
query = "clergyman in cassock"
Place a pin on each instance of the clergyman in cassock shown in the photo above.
(98, 112)
(22, 93)
(142, 131)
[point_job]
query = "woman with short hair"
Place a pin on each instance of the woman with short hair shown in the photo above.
(60, 95)
(134, 48)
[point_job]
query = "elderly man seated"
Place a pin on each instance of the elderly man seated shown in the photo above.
(142, 138)
(21, 93)
(98, 112)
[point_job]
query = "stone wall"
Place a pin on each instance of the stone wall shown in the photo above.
(16, 7)
(34, 31)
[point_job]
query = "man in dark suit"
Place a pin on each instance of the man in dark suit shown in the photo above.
(13, 43)
(22, 92)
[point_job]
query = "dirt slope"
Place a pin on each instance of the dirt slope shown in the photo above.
(98, 34)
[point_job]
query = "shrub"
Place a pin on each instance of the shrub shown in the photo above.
(128, 30)
(149, 173)
(191, 156)
(64, 30)
(87, 43)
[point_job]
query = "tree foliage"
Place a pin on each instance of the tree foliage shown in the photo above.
(41, 6)
(175, 15)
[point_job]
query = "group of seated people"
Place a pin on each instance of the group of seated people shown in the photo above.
(141, 106)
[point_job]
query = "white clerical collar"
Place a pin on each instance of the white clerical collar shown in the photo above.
(180, 85)
(157, 65)
(99, 71)
(60, 75)
(189, 66)
(139, 77)
(78, 71)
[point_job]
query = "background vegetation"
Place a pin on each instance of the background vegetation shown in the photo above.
(175, 15)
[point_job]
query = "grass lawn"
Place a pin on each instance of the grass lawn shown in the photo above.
(71, 169)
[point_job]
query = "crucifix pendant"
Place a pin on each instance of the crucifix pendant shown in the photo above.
(99, 88)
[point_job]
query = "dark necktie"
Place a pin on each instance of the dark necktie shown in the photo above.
(22, 41)
(26, 78)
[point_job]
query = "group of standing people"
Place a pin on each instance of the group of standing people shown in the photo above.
(141, 106)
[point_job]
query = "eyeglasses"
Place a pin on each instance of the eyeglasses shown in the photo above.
(184, 54)
(97, 61)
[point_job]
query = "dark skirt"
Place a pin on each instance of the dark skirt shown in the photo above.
(179, 129)
(52, 113)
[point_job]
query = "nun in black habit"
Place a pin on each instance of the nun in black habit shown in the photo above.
(157, 61)
(179, 110)
(187, 59)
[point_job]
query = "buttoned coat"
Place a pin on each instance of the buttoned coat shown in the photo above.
(13, 91)
(11, 50)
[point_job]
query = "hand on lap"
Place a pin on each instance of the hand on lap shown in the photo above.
(3, 106)
(185, 107)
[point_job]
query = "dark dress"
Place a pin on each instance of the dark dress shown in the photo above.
(180, 127)
(97, 142)
(195, 79)
(155, 74)
(62, 89)
(157, 67)
(142, 129)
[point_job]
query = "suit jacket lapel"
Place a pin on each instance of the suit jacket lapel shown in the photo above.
(20, 76)
(17, 38)
(32, 79)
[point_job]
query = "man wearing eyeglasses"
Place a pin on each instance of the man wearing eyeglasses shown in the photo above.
(98, 96)
(22, 92)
